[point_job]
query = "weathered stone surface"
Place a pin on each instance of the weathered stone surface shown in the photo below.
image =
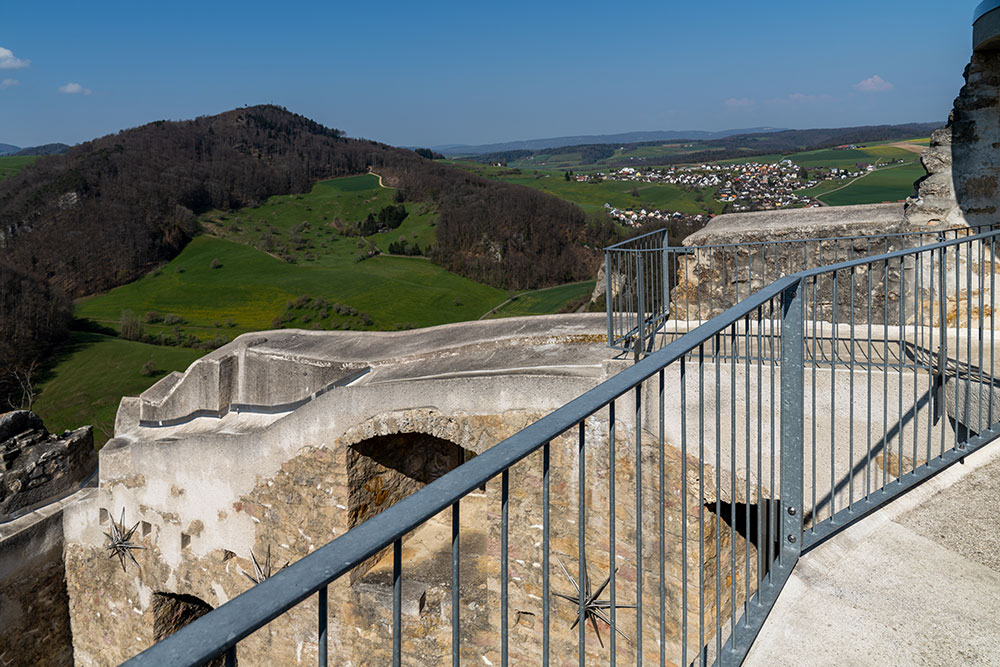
(36, 465)
(716, 275)
(34, 609)
(308, 503)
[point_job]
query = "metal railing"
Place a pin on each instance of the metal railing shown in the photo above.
(692, 481)
(655, 290)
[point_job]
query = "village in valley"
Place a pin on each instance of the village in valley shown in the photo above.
(750, 186)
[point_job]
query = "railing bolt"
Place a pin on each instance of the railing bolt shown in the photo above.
(791, 538)
(791, 511)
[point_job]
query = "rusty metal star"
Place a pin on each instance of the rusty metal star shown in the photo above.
(121, 541)
(262, 573)
(593, 608)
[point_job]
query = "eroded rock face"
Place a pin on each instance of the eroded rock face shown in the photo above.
(36, 465)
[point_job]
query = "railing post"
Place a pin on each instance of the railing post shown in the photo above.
(640, 340)
(607, 296)
(792, 419)
(943, 332)
(665, 254)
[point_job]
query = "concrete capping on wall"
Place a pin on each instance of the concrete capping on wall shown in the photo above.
(250, 407)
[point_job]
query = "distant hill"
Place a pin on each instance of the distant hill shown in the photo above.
(47, 149)
(456, 150)
(724, 148)
(8, 149)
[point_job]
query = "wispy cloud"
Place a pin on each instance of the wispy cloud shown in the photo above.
(739, 102)
(875, 84)
(74, 89)
(9, 83)
(8, 61)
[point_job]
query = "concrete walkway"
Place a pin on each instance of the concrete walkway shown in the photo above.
(917, 583)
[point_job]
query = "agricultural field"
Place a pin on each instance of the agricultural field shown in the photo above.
(593, 196)
(541, 302)
(91, 373)
(10, 164)
(885, 185)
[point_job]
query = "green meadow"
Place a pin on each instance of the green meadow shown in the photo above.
(541, 302)
(11, 164)
(885, 185)
(90, 374)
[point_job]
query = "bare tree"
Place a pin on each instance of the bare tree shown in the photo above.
(25, 379)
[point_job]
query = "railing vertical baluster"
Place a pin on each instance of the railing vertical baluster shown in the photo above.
(761, 551)
(850, 441)
(504, 574)
(746, 474)
(942, 342)
(684, 517)
(900, 334)
(958, 342)
(701, 503)
(545, 555)
(456, 634)
(231, 656)
(612, 539)
(732, 481)
(638, 524)
(834, 359)
(815, 363)
(610, 264)
(993, 331)
(870, 368)
(582, 573)
(886, 448)
(718, 498)
(323, 644)
(968, 339)
(772, 518)
(663, 523)
(397, 603)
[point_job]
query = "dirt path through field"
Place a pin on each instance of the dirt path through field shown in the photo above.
(907, 146)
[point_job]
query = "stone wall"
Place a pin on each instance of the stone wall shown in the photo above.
(738, 254)
(303, 506)
(34, 606)
(36, 465)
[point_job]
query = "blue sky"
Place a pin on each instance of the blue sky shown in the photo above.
(431, 73)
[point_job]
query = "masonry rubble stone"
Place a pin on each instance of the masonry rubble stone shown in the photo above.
(36, 465)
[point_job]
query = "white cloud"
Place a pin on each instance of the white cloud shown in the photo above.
(8, 61)
(9, 83)
(739, 102)
(875, 84)
(74, 89)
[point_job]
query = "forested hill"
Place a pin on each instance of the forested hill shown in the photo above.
(109, 210)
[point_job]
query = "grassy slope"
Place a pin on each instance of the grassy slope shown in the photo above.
(891, 184)
(545, 301)
(10, 165)
(92, 372)
(249, 289)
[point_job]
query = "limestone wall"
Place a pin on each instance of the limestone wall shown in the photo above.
(34, 605)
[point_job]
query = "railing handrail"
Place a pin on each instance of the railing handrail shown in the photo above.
(620, 245)
(223, 627)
